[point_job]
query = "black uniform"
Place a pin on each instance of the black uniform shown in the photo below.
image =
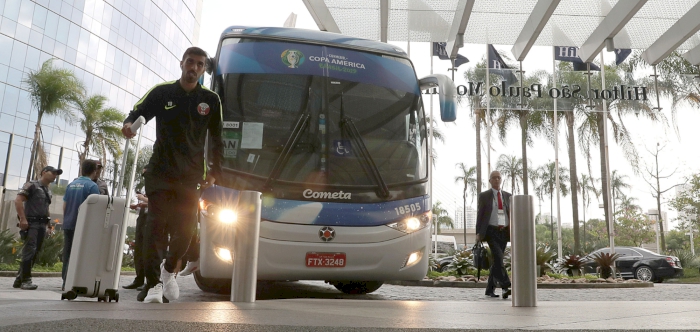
(36, 209)
(177, 166)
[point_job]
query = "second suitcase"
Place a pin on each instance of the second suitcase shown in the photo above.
(96, 255)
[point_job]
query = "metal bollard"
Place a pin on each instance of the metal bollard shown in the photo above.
(245, 248)
(523, 252)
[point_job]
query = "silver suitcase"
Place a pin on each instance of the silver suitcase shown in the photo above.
(96, 255)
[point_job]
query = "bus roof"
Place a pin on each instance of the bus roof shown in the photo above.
(312, 36)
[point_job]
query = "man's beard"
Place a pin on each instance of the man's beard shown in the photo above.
(191, 77)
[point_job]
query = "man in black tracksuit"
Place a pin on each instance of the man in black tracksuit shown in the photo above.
(184, 112)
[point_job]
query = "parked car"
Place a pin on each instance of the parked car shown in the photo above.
(640, 263)
(443, 263)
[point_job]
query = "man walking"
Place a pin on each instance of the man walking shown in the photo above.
(101, 185)
(184, 111)
(493, 226)
(32, 204)
(76, 193)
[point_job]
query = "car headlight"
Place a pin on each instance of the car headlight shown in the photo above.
(224, 215)
(412, 224)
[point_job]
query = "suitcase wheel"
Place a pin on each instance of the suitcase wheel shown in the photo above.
(69, 295)
(112, 294)
(101, 299)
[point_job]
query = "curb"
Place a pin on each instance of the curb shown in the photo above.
(12, 274)
(462, 284)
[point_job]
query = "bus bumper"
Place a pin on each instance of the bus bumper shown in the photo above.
(282, 259)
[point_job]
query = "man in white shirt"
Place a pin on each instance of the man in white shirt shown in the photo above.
(493, 226)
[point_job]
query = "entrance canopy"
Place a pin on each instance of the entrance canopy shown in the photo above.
(658, 27)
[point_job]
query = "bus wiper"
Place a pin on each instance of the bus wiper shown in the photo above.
(286, 153)
(369, 165)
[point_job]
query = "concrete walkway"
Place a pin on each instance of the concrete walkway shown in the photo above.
(42, 310)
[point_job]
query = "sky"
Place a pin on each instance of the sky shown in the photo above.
(680, 152)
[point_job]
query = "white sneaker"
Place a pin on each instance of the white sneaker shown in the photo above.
(155, 294)
(190, 268)
(170, 288)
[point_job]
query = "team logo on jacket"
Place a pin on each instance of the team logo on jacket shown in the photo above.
(326, 234)
(203, 109)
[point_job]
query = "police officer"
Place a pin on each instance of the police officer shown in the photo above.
(32, 204)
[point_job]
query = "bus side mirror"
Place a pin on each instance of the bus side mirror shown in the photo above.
(447, 94)
(209, 66)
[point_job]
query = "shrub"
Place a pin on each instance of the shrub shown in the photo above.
(462, 261)
(51, 250)
(568, 265)
(605, 262)
(7, 254)
(544, 255)
(432, 263)
(684, 255)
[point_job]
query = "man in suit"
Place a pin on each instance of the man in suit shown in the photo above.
(493, 226)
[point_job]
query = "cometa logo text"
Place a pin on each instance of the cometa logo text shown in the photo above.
(308, 193)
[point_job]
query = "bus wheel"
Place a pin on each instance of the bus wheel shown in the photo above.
(357, 287)
(212, 285)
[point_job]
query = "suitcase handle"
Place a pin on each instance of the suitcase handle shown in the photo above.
(113, 244)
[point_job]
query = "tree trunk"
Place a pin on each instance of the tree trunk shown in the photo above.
(37, 141)
(478, 152)
(464, 216)
(523, 133)
(658, 205)
(603, 172)
(551, 212)
(573, 177)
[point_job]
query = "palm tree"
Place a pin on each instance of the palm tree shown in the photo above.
(548, 173)
(441, 217)
(102, 128)
(51, 91)
(676, 80)
(617, 183)
(592, 128)
(469, 183)
(566, 76)
(587, 186)
(528, 118)
(510, 167)
(476, 74)
(628, 206)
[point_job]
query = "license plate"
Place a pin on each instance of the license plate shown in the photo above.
(325, 259)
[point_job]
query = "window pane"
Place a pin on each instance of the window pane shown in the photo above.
(62, 32)
(12, 10)
(39, 19)
(51, 25)
(19, 52)
(8, 27)
(26, 13)
(5, 49)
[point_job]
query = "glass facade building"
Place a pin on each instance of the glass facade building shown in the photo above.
(117, 48)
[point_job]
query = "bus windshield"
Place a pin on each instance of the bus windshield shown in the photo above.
(316, 114)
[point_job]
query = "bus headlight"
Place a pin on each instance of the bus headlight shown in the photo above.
(227, 216)
(413, 258)
(224, 254)
(412, 224)
(224, 215)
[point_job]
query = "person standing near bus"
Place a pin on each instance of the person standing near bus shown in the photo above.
(32, 204)
(185, 111)
(493, 226)
(76, 193)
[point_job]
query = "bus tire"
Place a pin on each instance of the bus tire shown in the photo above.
(212, 285)
(357, 287)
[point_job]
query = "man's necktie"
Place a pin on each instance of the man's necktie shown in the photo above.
(500, 202)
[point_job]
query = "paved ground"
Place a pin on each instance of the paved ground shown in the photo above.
(315, 306)
(320, 290)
